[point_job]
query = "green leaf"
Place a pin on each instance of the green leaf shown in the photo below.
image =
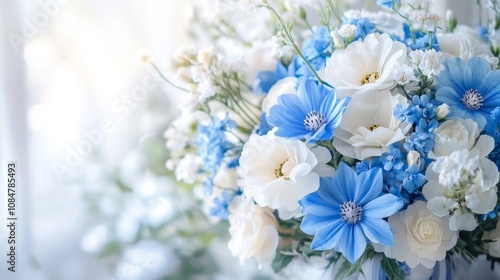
(282, 259)
(348, 269)
(391, 269)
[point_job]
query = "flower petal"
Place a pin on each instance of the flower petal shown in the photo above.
(382, 206)
(378, 231)
(311, 224)
(329, 236)
(368, 186)
(352, 243)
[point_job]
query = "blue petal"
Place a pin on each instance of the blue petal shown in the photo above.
(352, 243)
(344, 181)
(309, 95)
(378, 231)
(315, 204)
(328, 237)
(312, 223)
(368, 186)
(382, 206)
(477, 68)
(490, 89)
(329, 192)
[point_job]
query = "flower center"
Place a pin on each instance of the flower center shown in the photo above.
(314, 121)
(370, 78)
(472, 99)
(373, 127)
(278, 171)
(350, 212)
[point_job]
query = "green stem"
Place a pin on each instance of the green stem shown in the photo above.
(165, 78)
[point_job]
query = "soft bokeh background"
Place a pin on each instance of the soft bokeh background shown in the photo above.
(83, 120)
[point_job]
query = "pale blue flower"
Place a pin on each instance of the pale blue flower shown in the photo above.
(470, 88)
(311, 114)
(347, 212)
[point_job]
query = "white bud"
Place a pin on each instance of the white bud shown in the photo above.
(442, 111)
(413, 158)
(347, 31)
(337, 40)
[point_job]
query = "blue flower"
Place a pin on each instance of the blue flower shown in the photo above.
(212, 143)
(363, 26)
(419, 40)
(266, 79)
(219, 207)
(312, 114)
(347, 211)
(388, 4)
(470, 88)
(316, 51)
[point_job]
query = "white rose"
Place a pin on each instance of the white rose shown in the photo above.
(420, 237)
(253, 231)
(464, 43)
(493, 247)
(368, 126)
(454, 135)
(278, 172)
(283, 86)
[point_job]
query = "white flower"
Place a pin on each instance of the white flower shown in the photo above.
(461, 184)
(464, 42)
(347, 31)
(337, 40)
(419, 236)
(493, 247)
(261, 57)
(253, 231)
(429, 62)
(279, 172)
(413, 158)
(283, 86)
(404, 75)
(368, 126)
(424, 20)
(454, 135)
(248, 5)
(442, 111)
(187, 169)
(364, 65)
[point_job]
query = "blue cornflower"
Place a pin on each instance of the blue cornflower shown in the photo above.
(266, 79)
(311, 114)
(212, 143)
(347, 211)
(470, 88)
(389, 4)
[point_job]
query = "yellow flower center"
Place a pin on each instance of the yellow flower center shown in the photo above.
(370, 78)
(373, 127)
(278, 172)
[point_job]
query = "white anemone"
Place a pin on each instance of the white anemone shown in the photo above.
(368, 126)
(364, 65)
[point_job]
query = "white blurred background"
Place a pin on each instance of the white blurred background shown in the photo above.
(80, 116)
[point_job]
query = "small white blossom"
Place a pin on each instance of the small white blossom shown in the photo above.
(187, 169)
(348, 31)
(430, 62)
(404, 75)
(442, 111)
(337, 40)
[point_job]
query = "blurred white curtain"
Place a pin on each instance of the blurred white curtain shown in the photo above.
(13, 140)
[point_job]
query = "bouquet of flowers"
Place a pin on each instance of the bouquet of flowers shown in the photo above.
(317, 130)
